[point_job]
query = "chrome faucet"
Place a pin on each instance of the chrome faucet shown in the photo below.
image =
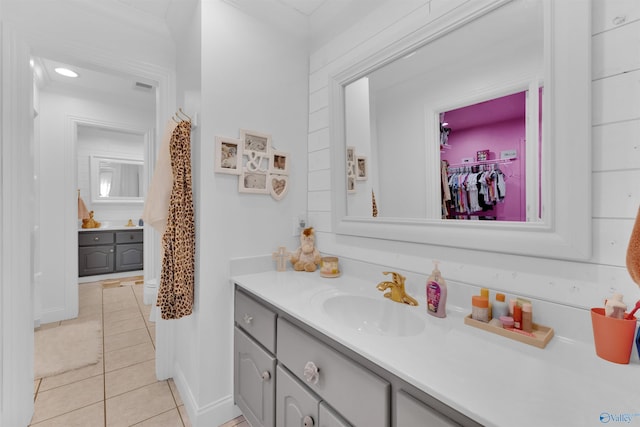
(396, 289)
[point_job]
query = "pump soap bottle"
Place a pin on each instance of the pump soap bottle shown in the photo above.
(436, 293)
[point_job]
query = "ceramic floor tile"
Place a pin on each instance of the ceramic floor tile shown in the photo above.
(123, 325)
(129, 378)
(184, 415)
(126, 339)
(108, 307)
(139, 405)
(89, 416)
(73, 376)
(167, 419)
(61, 400)
(128, 356)
(126, 313)
(174, 390)
(47, 326)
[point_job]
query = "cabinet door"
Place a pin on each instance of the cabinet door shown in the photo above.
(253, 380)
(328, 418)
(129, 257)
(411, 412)
(296, 406)
(94, 260)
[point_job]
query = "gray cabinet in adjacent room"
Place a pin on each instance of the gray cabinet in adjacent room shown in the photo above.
(104, 252)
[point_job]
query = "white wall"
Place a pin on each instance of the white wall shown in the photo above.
(57, 197)
(253, 77)
(616, 127)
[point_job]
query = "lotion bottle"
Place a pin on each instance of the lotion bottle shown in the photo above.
(436, 293)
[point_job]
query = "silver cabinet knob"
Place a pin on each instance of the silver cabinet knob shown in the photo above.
(266, 376)
(307, 421)
(111, 250)
(96, 238)
(248, 319)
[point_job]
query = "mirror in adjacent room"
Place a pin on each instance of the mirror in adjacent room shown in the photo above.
(497, 73)
(116, 179)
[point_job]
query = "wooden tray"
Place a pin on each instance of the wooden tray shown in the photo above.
(539, 337)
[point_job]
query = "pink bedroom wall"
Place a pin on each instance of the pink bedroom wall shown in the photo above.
(507, 134)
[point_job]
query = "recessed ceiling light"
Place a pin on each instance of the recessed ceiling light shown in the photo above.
(66, 72)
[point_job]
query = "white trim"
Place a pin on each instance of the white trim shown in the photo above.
(164, 81)
(17, 230)
(565, 230)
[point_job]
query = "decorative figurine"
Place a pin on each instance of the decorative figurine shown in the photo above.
(281, 258)
(306, 257)
(90, 222)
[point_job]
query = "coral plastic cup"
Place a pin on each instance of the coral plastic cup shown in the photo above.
(613, 337)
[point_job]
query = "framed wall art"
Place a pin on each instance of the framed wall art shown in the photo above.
(228, 155)
(253, 182)
(361, 168)
(279, 163)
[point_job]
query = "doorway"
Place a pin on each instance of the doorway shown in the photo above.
(77, 117)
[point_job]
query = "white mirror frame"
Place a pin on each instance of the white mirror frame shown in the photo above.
(565, 229)
(94, 177)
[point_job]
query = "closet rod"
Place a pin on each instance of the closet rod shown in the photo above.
(483, 162)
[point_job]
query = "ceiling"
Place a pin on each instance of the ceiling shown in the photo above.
(316, 20)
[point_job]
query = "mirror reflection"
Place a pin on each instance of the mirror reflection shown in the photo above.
(452, 130)
(116, 179)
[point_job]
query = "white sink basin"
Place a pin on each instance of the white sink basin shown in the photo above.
(376, 316)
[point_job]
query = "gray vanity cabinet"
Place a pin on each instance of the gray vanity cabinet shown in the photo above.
(254, 384)
(296, 406)
(412, 412)
(328, 418)
(96, 253)
(104, 252)
(254, 361)
(359, 395)
(286, 374)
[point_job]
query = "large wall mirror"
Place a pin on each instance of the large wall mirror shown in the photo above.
(475, 130)
(116, 180)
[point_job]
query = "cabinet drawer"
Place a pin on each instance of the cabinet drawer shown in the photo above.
(95, 238)
(257, 320)
(129, 236)
(356, 393)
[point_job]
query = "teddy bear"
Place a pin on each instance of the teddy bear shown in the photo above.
(307, 256)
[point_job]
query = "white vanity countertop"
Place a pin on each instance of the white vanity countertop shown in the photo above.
(113, 228)
(494, 380)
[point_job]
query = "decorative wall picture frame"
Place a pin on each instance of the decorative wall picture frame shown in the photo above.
(260, 168)
(279, 163)
(228, 155)
(253, 182)
(256, 150)
(278, 185)
(351, 169)
(362, 169)
(351, 184)
(482, 155)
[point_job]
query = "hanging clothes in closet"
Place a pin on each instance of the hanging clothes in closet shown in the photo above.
(474, 190)
(175, 294)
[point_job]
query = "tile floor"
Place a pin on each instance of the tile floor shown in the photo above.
(121, 389)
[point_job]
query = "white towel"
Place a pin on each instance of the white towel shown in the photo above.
(156, 205)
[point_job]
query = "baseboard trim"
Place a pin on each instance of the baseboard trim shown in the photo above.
(214, 413)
